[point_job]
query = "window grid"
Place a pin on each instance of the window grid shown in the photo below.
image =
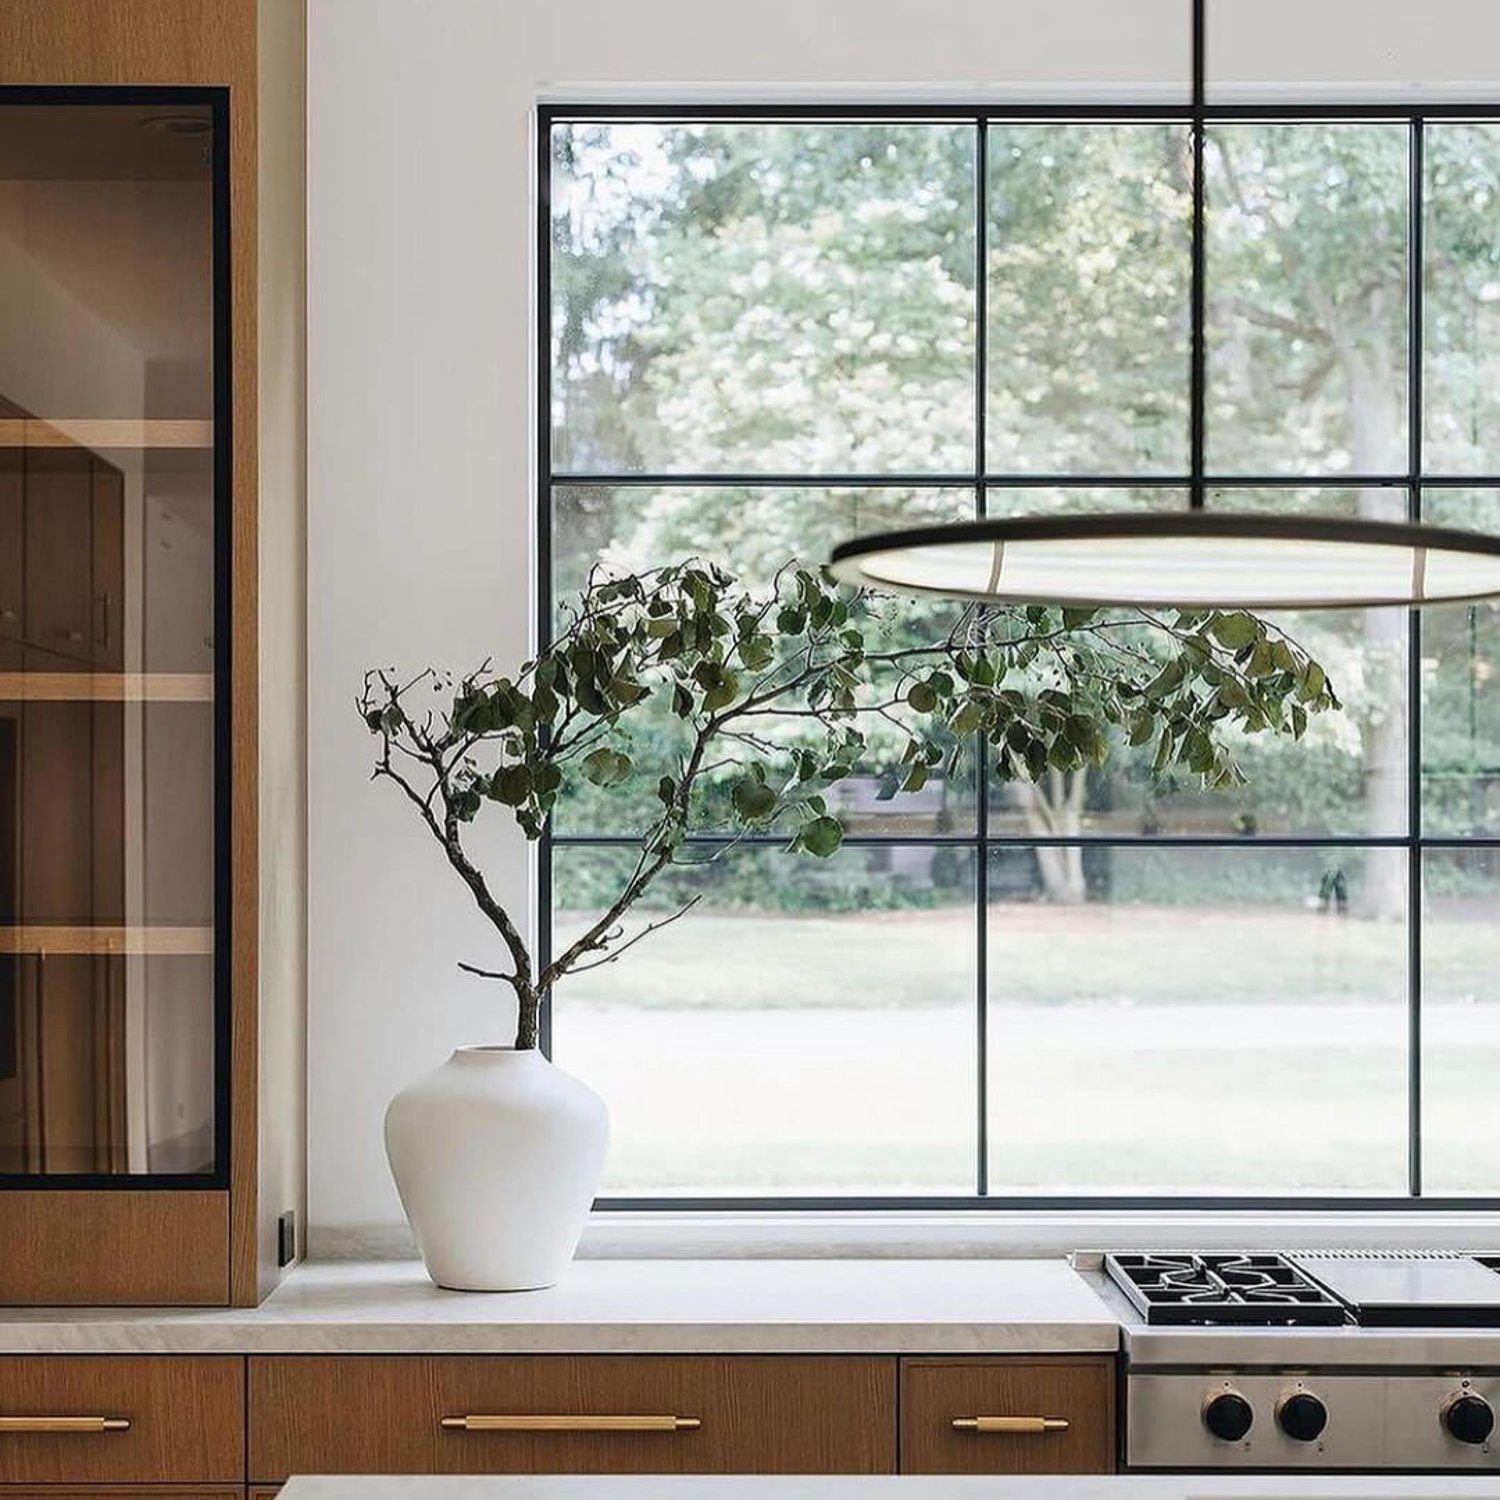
(1197, 482)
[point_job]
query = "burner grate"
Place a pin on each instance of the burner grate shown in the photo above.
(1255, 1289)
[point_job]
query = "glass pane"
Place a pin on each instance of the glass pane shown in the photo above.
(107, 722)
(808, 1028)
(1345, 777)
(1088, 247)
(754, 533)
(1306, 289)
(763, 298)
(1461, 1021)
(1461, 299)
(1227, 1020)
(1461, 691)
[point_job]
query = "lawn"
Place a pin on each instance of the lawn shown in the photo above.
(1130, 1048)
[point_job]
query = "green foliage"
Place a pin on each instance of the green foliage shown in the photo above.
(775, 692)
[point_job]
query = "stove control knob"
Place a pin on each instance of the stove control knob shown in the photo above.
(1302, 1416)
(1228, 1416)
(1469, 1418)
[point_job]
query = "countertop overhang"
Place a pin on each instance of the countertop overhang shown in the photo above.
(620, 1307)
(900, 1487)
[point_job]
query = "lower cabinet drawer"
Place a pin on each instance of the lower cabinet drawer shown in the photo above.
(1008, 1416)
(550, 1414)
(112, 1420)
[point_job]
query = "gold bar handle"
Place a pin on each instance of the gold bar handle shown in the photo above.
(570, 1424)
(15, 1425)
(1011, 1424)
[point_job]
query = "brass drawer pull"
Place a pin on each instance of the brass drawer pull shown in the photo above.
(570, 1424)
(1010, 1424)
(63, 1424)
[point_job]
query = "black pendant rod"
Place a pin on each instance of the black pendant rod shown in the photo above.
(1197, 387)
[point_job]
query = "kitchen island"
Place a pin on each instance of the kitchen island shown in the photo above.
(904, 1487)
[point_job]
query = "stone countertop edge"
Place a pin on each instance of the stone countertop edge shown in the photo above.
(899, 1487)
(619, 1307)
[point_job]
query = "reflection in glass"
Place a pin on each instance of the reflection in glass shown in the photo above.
(764, 298)
(1461, 1021)
(1306, 316)
(807, 1029)
(1196, 1021)
(107, 870)
(1088, 274)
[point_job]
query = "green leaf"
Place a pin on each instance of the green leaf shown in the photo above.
(922, 696)
(511, 785)
(753, 800)
(1074, 619)
(606, 767)
(1235, 631)
(822, 837)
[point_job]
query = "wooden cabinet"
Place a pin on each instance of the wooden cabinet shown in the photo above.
(564, 1414)
(148, 247)
(1008, 1416)
(61, 1416)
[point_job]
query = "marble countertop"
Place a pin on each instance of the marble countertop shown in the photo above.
(904, 1487)
(620, 1307)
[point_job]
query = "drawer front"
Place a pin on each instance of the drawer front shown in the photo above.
(115, 1492)
(979, 1416)
(559, 1414)
(184, 1416)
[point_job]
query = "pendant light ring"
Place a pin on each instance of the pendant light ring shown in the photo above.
(1191, 559)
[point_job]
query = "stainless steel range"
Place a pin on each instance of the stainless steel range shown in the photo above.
(1327, 1361)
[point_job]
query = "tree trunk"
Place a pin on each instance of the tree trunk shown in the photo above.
(1055, 809)
(1375, 423)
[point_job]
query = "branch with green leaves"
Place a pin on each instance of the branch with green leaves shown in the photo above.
(780, 694)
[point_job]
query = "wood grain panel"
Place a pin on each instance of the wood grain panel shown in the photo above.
(117, 1248)
(111, 941)
(124, 1492)
(125, 41)
(186, 1418)
(106, 687)
(935, 1392)
(757, 1414)
(106, 432)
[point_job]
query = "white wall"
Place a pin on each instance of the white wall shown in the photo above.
(420, 186)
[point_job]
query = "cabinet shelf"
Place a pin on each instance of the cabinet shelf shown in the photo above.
(62, 941)
(106, 687)
(106, 432)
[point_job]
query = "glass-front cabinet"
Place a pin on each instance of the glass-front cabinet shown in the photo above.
(113, 637)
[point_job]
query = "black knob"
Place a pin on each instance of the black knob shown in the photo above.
(1228, 1416)
(1302, 1417)
(1469, 1418)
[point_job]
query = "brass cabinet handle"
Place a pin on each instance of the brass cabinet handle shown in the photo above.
(1010, 1424)
(63, 1424)
(570, 1424)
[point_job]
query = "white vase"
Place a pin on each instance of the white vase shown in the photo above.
(497, 1156)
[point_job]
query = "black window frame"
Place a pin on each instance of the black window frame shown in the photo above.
(1195, 483)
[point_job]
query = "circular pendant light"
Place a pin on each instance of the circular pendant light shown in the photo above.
(1192, 559)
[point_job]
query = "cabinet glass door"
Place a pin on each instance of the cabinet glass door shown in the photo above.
(113, 474)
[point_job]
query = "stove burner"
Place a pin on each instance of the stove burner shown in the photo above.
(1257, 1289)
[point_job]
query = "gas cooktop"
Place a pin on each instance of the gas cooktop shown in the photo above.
(1373, 1290)
(1181, 1289)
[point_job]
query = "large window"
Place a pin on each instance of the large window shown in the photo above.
(766, 334)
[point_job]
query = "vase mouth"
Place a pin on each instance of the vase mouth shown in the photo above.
(493, 1051)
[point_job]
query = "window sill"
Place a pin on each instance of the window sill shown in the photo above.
(959, 1234)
